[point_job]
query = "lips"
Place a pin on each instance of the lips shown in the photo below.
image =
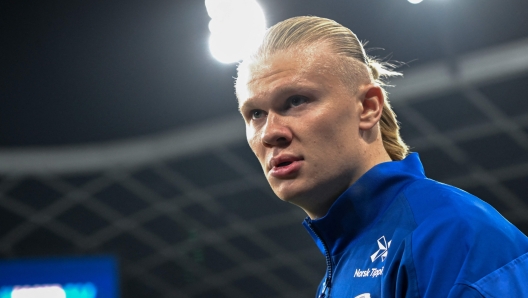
(284, 166)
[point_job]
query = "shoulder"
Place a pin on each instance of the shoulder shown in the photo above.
(443, 211)
(434, 202)
(457, 237)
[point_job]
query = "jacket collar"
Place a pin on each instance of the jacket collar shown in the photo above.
(363, 203)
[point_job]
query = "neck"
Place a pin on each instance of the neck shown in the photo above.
(374, 154)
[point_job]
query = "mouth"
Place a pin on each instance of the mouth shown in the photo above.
(284, 164)
(283, 161)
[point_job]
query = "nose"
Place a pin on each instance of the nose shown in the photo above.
(276, 132)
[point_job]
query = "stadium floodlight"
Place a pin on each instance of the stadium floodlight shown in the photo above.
(237, 27)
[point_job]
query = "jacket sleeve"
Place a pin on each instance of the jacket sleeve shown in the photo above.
(460, 244)
(464, 291)
(470, 255)
(510, 280)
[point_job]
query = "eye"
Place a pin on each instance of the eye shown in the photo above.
(256, 114)
(296, 100)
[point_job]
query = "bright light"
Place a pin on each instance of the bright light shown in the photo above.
(52, 291)
(415, 1)
(237, 27)
(70, 290)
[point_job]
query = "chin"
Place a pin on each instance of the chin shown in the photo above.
(293, 196)
(298, 191)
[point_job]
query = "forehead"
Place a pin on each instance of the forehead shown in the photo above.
(285, 69)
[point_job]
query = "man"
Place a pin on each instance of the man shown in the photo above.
(318, 120)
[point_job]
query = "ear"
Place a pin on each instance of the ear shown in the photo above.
(372, 107)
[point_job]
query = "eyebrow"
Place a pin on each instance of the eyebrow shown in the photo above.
(249, 104)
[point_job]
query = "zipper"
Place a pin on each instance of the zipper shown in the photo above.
(328, 280)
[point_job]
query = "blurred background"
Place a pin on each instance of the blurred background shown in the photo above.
(119, 134)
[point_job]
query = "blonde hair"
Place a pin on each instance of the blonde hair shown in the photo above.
(307, 30)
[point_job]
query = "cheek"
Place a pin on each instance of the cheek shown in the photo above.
(331, 125)
(254, 143)
(334, 132)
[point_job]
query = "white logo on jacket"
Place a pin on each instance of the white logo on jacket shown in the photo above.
(383, 250)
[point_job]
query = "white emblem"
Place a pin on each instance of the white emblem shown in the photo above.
(364, 295)
(382, 251)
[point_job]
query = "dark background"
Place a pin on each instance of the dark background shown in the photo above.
(204, 223)
(75, 72)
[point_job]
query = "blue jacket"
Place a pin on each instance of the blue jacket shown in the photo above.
(396, 233)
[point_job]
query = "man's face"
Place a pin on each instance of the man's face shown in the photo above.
(302, 124)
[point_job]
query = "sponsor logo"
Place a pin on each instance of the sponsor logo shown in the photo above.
(381, 253)
(383, 249)
(364, 295)
(370, 272)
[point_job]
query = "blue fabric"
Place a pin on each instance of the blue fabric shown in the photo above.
(395, 233)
